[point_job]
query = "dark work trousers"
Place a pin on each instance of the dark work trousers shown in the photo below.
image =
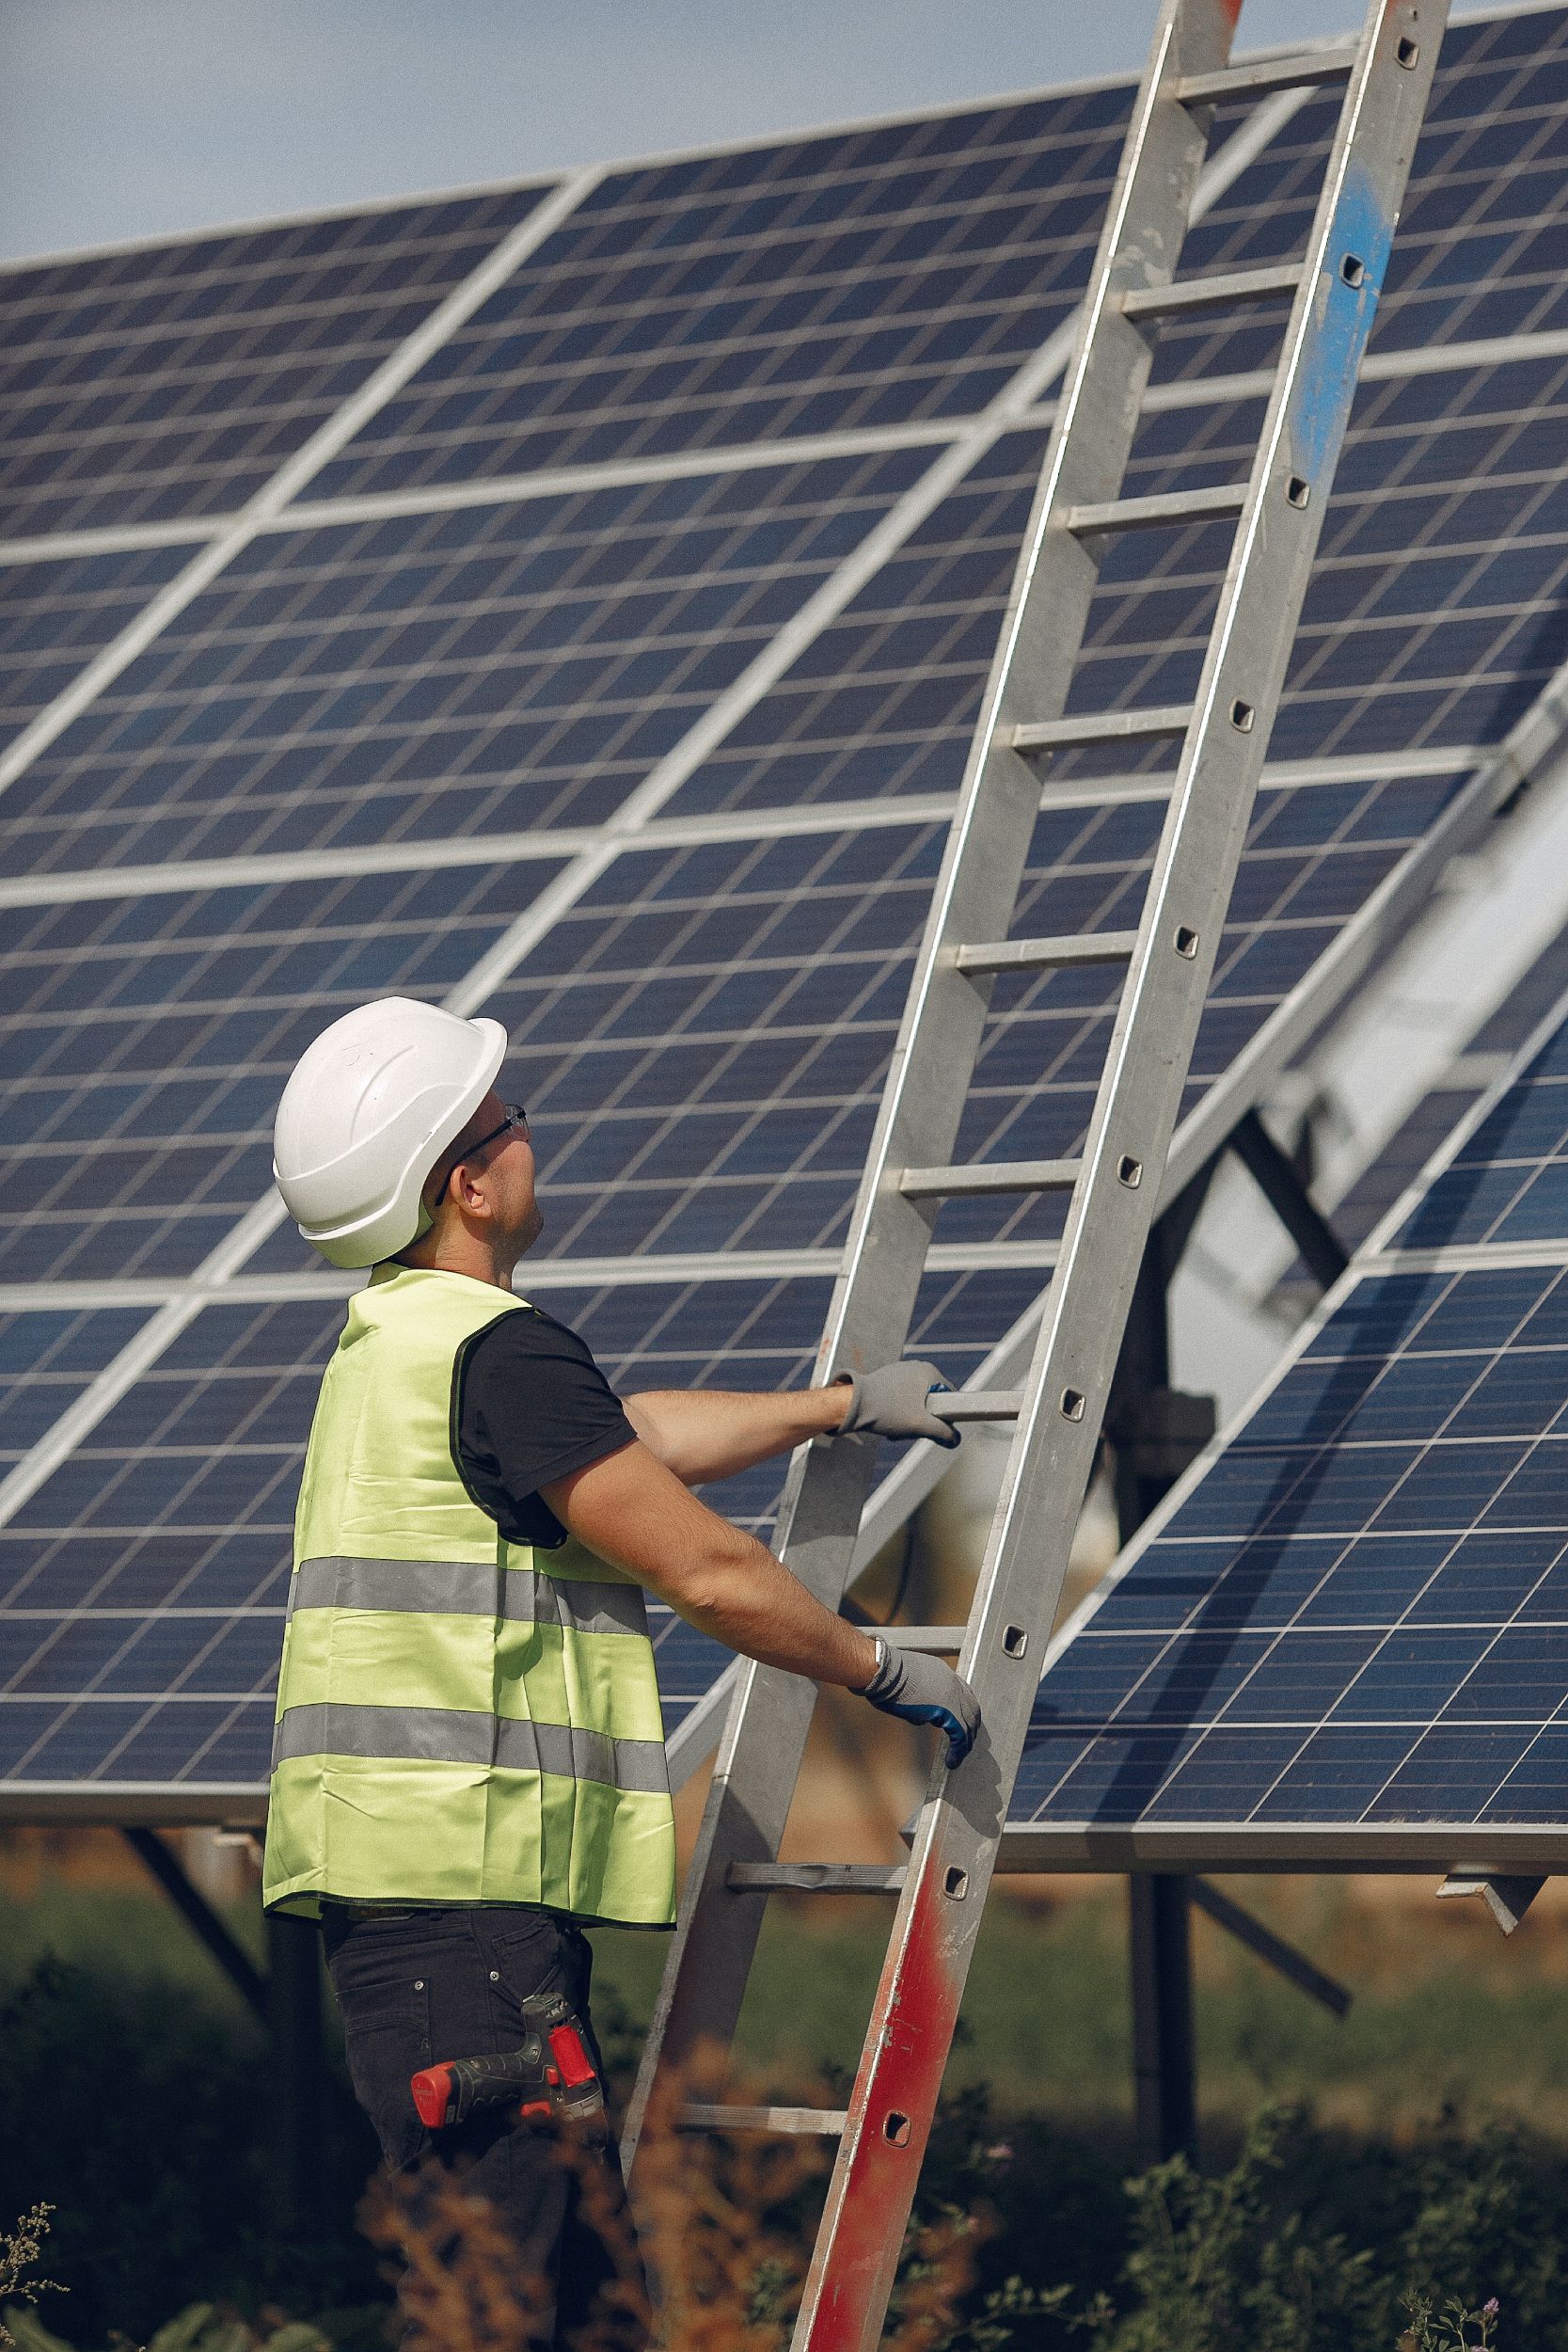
(418, 1986)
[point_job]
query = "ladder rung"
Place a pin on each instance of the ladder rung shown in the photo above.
(1208, 294)
(937, 1641)
(815, 1878)
(827, 2122)
(1170, 506)
(978, 1404)
(1266, 73)
(951, 1184)
(1102, 726)
(1047, 954)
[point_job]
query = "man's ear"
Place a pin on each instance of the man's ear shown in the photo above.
(468, 1188)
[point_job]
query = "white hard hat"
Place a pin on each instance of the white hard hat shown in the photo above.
(366, 1114)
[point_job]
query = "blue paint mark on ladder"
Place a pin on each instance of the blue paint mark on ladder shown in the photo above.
(1342, 321)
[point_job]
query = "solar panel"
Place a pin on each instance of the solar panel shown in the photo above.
(46, 1360)
(1481, 1057)
(892, 274)
(1346, 1638)
(170, 380)
(54, 613)
(607, 662)
(496, 669)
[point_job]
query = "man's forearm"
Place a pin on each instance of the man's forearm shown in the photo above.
(755, 1605)
(712, 1433)
(638, 1517)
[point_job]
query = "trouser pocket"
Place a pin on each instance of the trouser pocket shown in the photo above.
(385, 2001)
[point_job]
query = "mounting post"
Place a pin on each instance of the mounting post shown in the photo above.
(1156, 1431)
(297, 2072)
(1164, 2109)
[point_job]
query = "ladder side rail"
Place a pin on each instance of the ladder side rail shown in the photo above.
(953, 1851)
(769, 1714)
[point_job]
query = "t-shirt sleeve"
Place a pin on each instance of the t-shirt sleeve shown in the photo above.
(529, 1404)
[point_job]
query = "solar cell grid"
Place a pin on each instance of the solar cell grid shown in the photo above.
(705, 1034)
(1434, 614)
(46, 1360)
(144, 1585)
(1264, 217)
(1358, 1614)
(1510, 1181)
(1481, 224)
(872, 276)
(702, 1040)
(184, 1501)
(494, 669)
(1494, 133)
(144, 1042)
(173, 380)
(190, 1738)
(56, 614)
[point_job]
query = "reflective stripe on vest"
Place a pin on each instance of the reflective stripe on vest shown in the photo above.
(470, 1588)
(449, 1736)
(459, 1719)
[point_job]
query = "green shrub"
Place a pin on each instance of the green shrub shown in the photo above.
(1311, 2243)
(205, 2327)
(142, 2120)
(1234, 2263)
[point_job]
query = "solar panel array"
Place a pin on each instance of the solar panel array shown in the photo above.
(605, 658)
(1351, 1632)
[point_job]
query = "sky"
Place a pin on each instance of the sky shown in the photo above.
(122, 118)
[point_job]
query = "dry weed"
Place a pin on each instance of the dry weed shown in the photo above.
(19, 2250)
(723, 2230)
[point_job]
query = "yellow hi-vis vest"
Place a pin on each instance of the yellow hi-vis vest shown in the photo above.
(460, 1720)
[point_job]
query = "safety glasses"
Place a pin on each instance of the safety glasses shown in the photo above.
(516, 1122)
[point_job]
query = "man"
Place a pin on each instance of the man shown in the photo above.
(468, 1761)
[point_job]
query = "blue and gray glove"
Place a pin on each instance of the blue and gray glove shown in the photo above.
(923, 1690)
(891, 1402)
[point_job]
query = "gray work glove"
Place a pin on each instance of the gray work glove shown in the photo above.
(923, 1690)
(890, 1403)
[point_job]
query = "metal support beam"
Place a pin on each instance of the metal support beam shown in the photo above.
(1280, 1183)
(1164, 2111)
(1269, 1947)
(199, 1914)
(1507, 1898)
(298, 2073)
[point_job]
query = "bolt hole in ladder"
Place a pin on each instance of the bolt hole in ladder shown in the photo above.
(1112, 1187)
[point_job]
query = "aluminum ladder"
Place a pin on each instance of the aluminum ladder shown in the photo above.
(1115, 1185)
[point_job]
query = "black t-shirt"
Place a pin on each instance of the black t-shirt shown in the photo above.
(529, 1403)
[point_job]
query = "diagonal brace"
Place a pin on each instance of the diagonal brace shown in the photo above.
(1272, 1948)
(198, 1914)
(1281, 1186)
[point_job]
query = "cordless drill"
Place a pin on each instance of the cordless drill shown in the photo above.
(549, 2074)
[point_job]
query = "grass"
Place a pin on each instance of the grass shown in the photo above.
(1445, 2012)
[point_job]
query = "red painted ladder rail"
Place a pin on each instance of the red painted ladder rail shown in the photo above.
(1114, 1184)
